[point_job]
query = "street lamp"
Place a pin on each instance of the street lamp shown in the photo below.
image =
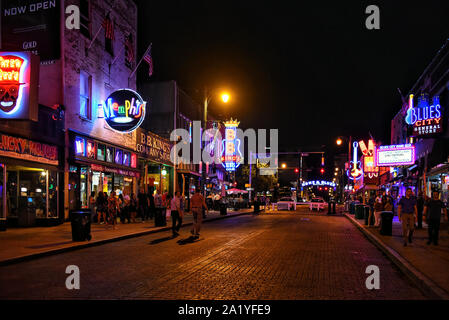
(225, 97)
(339, 142)
(283, 166)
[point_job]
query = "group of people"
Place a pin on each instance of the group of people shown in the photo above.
(411, 209)
(127, 207)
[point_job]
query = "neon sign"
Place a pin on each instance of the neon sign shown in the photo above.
(355, 171)
(231, 156)
(124, 110)
(369, 166)
(18, 85)
(319, 183)
(425, 118)
(395, 155)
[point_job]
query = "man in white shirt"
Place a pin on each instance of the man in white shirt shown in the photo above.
(158, 199)
(176, 213)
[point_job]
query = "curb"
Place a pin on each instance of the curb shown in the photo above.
(105, 241)
(426, 285)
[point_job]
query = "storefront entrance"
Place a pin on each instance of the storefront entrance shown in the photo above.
(28, 194)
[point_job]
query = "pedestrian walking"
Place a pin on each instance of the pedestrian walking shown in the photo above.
(112, 209)
(121, 208)
(142, 203)
(152, 208)
(432, 213)
(133, 207)
(407, 212)
(101, 208)
(420, 208)
(176, 213)
(198, 203)
(127, 213)
(378, 208)
(92, 204)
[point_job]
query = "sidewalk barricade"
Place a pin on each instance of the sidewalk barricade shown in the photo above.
(80, 222)
(386, 223)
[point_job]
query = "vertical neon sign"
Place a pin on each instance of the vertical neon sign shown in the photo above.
(231, 155)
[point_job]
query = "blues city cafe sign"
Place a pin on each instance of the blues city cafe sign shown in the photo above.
(425, 118)
(19, 76)
(124, 110)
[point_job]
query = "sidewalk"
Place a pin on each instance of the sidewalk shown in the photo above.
(20, 244)
(426, 265)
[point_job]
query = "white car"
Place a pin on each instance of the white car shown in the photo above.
(317, 203)
(285, 203)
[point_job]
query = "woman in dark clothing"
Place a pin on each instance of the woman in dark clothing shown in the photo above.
(101, 209)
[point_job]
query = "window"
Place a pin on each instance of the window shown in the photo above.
(85, 95)
(85, 18)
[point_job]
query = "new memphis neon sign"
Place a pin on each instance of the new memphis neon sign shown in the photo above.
(319, 183)
(231, 156)
(124, 110)
(355, 170)
(425, 118)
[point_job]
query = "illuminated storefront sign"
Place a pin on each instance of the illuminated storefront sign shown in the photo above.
(153, 147)
(319, 183)
(355, 171)
(124, 110)
(19, 77)
(90, 149)
(231, 156)
(25, 149)
(424, 118)
(369, 166)
(395, 155)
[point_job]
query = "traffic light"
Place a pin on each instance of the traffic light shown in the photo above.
(296, 170)
(322, 170)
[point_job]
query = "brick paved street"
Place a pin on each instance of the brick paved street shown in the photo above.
(271, 256)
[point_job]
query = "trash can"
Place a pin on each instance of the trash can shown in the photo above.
(334, 206)
(256, 207)
(329, 207)
(80, 221)
(386, 223)
(223, 209)
(359, 211)
(160, 219)
(366, 210)
(352, 207)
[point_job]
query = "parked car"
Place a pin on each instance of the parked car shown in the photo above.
(317, 203)
(285, 203)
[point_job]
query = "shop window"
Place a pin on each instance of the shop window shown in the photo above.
(126, 158)
(90, 149)
(133, 160)
(109, 154)
(52, 194)
(85, 95)
(80, 146)
(101, 152)
(118, 156)
(83, 187)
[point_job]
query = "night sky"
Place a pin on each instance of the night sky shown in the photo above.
(312, 70)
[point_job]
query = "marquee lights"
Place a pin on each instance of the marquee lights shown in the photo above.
(425, 118)
(124, 110)
(395, 155)
(231, 155)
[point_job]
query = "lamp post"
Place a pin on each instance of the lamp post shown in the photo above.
(225, 97)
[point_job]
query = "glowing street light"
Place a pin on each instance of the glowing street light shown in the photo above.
(225, 97)
(339, 142)
(283, 166)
